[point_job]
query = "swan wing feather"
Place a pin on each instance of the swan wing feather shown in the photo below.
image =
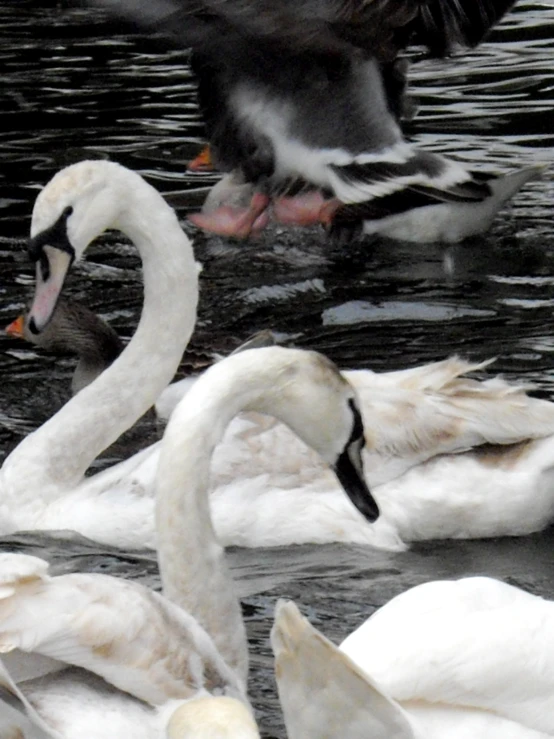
(155, 652)
(413, 415)
(324, 693)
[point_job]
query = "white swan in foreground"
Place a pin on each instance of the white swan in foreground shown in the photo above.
(156, 647)
(461, 660)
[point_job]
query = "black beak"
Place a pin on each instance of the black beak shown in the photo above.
(349, 470)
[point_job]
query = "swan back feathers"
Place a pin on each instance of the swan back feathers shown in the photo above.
(156, 653)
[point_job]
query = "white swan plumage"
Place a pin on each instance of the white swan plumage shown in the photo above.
(445, 659)
(191, 640)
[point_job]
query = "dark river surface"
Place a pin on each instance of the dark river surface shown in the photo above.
(74, 88)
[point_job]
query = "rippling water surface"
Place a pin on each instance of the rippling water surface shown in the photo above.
(75, 87)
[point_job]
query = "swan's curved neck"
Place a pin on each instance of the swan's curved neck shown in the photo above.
(62, 449)
(192, 561)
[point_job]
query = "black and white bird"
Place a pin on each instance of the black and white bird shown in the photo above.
(302, 106)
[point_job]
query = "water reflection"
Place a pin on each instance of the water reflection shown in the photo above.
(75, 87)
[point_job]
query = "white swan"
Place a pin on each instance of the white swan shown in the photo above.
(458, 659)
(154, 647)
(41, 481)
(432, 456)
(423, 456)
(445, 457)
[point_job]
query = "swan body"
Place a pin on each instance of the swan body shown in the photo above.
(445, 457)
(305, 98)
(190, 640)
(458, 659)
(474, 643)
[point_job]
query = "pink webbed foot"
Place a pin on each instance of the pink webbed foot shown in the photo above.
(239, 223)
(304, 210)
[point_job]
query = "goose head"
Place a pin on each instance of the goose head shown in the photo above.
(77, 205)
(306, 391)
(212, 717)
(74, 329)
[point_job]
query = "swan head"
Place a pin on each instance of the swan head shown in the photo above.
(76, 206)
(212, 717)
(305, 390)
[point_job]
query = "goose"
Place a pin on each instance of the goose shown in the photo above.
(190, 640)
(459, 659)
(302, 100)
(74, 329)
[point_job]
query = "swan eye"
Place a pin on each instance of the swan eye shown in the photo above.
(44, 265)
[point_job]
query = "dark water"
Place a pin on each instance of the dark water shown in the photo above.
(74, 87)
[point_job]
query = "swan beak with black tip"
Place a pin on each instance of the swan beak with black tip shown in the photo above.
(53, 254)
(349, 470)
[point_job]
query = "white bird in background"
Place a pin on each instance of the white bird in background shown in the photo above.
(445, 456)
(191, 640)
(462, 659)
(302, 103)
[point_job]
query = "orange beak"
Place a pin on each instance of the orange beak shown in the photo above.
(15, 329)
(203, 162)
